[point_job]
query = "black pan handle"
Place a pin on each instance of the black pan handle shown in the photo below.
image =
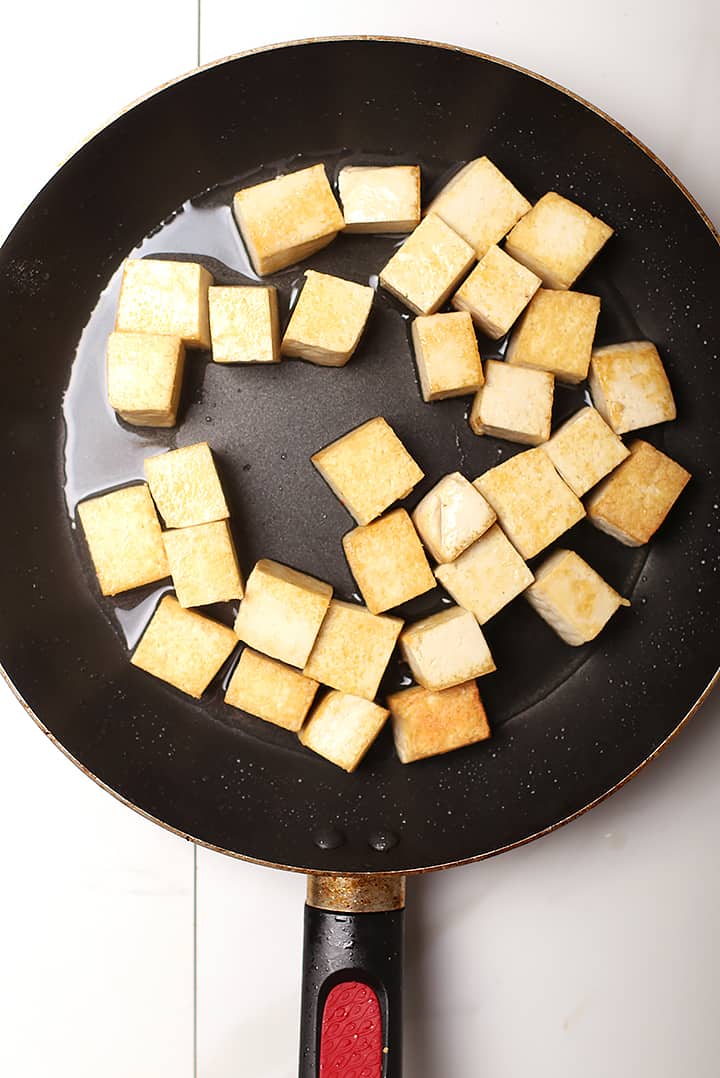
(351, 1016)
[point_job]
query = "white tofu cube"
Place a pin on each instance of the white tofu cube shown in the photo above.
(185, 486)
(480, 204)
(428, 267)
(584, 450)
(514, 403)
(160, 296)
(497, 292)
(557, 240)
(203, 564)
(451, 516)
(629, 386)
(388, 562)
(572, 598)
(446, 355)
(144, 377)
(342, 728)
(446, 649)
(328, 320)
(353, 649)
(270, 690)
(244, 324)
(556, 334)
(432, 723)
(487, 576)
(380, 198)
(124, 538)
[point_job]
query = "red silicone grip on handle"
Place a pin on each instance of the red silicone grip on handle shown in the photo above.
(351, 1033)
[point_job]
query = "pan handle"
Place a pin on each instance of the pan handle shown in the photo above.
(351, 1015)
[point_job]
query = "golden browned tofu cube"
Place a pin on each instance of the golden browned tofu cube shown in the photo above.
(584, 449)
(368, 469)
(428, 267)
(451, 516)
(634, 500)
(486, 576)
(185, 486)
(144, 377)
(287, 219)
(388, 561)
(342, 728)
(124, 538)
(203, 564)
(480, 204)
(382, 198)
(282, 612)
(244, 324)
(514, 403)
(556, 334)
(353, 649)
(431, 723)
(183, 648)
(533, 504)
(557, 240)
(629, 386)
(447, 356)
(328, 319)
(572, 598)
(497, 291)
(446, 649)
(270, 690)
(158, 296)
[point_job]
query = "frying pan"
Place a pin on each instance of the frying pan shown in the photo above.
(569, 725)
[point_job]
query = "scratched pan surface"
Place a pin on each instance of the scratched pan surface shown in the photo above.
(569, 724)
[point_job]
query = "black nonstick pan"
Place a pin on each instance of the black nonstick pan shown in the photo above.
(569, 724)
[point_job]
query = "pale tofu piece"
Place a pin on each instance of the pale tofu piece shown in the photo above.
(629, 386)
(486, 576)
(144, 377)
(282, 612)
(584, 450)
(497, 292)
(353, 649)
(186, 487)
(557, 240)
(244, 324)
(533, 504)
(160, 296)
(446, 649)
(446, 355)
(634, 500)
(287, 219)
(368, 469)
(451, 516)
(556, 334)
(432, 723)
(428, 267)
(342, 728)
(572, 598)
(383, 198)
(183, 648)
(270, 690)
(124, 538)
(388, 561)
(514, 403)
(328, 320)
(203, 564)
(481, 204)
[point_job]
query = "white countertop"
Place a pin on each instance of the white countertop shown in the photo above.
(127, 952)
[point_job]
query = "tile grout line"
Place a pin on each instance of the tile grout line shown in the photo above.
(199, 26)
(194, 966)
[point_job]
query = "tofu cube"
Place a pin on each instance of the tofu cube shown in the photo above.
(185, 486)
(584, 450)
(342, 728)
(270, 690)
(368, 469)
(451, 516)
(244, 324)
(203, 564)
(514, 403)
(428, 267)
(557, 240)
(380, 199)
(388, 562)
(487, 576)
(496, 293)
(124, 538)
(480, 204)
(629, 386)
(446, 649)
(282, 612)
(634, 500)
(183, 648)
(572, 598)
(533, 504)
(353, 649)
(287, 219)
(328, 319)
(144, 377)
(446, 355)
(556, 334)
(159, 296)
(432, 723)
